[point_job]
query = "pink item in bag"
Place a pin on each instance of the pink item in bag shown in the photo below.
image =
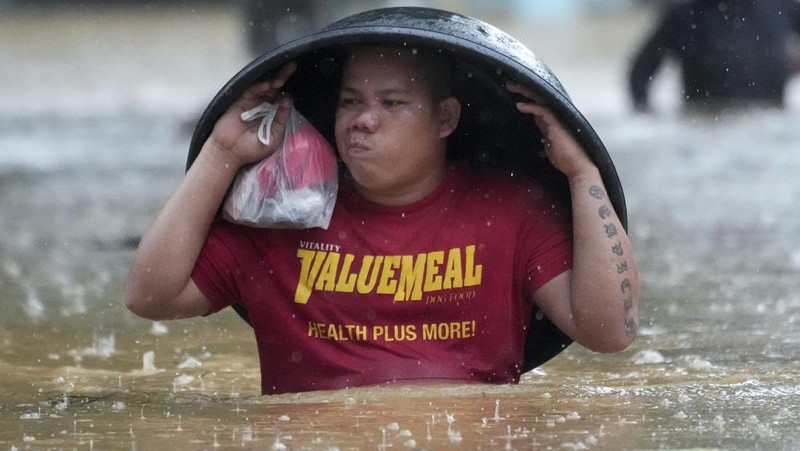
(295, 187)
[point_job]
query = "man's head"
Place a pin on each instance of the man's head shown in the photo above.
(394, 116)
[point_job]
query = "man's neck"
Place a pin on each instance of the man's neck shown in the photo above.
(406, 195)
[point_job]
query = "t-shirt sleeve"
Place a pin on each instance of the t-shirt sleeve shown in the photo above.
(216, 269)
(546, 246)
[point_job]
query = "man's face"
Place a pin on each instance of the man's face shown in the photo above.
(388, 130)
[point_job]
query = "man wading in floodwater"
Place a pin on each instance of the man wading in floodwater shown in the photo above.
(429, 270)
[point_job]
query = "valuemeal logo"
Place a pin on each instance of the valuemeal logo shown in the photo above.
(407, 277)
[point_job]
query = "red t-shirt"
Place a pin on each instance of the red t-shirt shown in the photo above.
(439, 289)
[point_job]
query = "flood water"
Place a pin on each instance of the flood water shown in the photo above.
(96, 111)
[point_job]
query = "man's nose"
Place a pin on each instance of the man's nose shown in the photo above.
(367, 118)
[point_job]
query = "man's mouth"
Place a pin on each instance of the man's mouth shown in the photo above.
(357, 146)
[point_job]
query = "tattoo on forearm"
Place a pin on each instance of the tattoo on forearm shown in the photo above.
(631, 327)
(628, 304)
(596, 192)
(626, 286)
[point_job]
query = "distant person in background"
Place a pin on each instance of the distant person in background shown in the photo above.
(271, 23)
(731, 52)
(275, 22)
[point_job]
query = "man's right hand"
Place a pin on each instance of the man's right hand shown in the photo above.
(237, 140)
(160, 282)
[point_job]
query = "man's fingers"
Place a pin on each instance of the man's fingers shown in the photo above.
(524, 90)
(543, 117)
(284, 73)
(278, 127)
(269, 90)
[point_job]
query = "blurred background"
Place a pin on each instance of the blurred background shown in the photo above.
(98, 100)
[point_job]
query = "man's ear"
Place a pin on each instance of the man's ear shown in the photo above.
(449, 115)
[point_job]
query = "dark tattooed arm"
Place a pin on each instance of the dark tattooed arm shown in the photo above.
(603, 284)
(623, 270)
(597, 302)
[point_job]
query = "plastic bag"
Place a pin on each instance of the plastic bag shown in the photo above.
(295, 187)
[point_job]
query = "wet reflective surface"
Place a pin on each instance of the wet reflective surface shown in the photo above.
(87, 159)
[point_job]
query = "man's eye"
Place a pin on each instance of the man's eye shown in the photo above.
(393, 102)
(345, 101)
